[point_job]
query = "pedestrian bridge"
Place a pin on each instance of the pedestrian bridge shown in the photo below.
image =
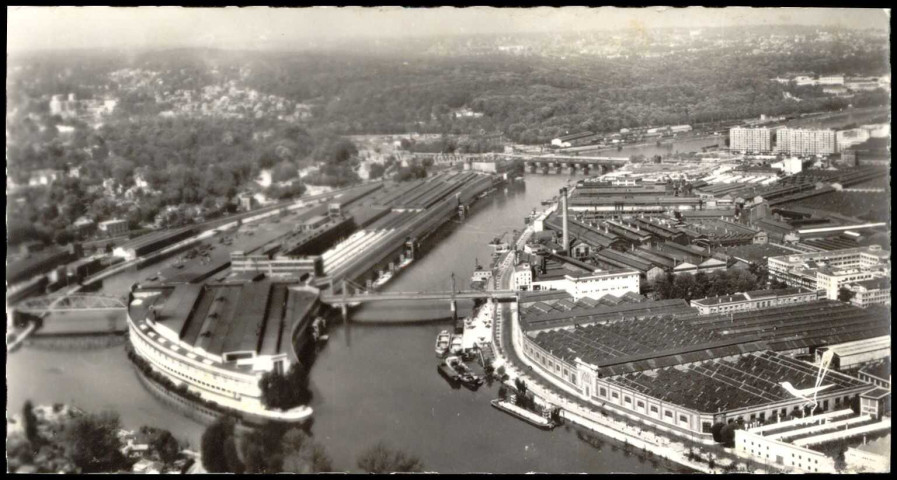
(75, 302)
(368, 297)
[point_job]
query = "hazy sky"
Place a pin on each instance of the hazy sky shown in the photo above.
(30, 28)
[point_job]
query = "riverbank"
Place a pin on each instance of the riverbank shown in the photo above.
(39, 445)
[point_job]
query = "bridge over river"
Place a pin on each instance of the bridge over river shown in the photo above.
(367, 297)
(72, 313)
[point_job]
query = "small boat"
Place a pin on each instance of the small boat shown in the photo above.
(443, 342)
(523, 414)
(470, 381)
(382, 279)
(456, 344)
(405, 262)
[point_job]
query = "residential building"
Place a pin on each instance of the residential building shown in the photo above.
(755, 140)
(522, 278)
(804, 141)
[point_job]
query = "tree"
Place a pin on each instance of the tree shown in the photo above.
(302, 455)
(376, 170)
(91, 442)
(29, 421)
(164, 443)
(284, 171)
(261, 449)
(218, 448)
(715, 429)
(727, 434)
(381, 459)
(285, 391)
(845, 295)
(521, 386)
(502, 392)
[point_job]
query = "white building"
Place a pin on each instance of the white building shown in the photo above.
(848, 138)
(875, 291)
(831, 80)
(740, 302)
(750, 139)
(594, 285)
(789, 166)
(522, 278)
(114, 227)
(832, 279)
(800, 270)
(803, 141)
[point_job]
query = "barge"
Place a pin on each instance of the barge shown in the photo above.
(525, 415)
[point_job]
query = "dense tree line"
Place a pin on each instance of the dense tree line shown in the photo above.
(278, 447)
(285, 391)
(701, 285)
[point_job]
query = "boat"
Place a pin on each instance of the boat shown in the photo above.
(532, 418)
(382, 279)
(470, 381)
(449, 375)
(442, 342)
(465, 376)
(456, 344)
(462, 373)
(405, 262)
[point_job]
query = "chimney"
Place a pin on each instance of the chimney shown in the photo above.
(564, 213)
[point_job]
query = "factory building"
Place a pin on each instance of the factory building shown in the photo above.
(582, 280)
(855, 354)
(662, 364)
(277, 265)
(740, 302)
(218, 339)
(800, 270)
(151, 242)
(875, 291)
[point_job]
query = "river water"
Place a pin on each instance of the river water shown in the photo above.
(372, 381)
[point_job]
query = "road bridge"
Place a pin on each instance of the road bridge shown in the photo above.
(561, 162)
(75, 302)
(368, 297)
(46, 305)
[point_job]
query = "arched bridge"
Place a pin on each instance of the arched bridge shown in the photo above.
(75, 302)
(561, 162)
(367, 297)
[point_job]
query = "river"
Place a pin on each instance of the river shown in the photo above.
(379, 382)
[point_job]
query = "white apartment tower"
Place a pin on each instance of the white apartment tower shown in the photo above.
(801, 141)
(750, 139)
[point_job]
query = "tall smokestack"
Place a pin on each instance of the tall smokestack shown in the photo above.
(564, 213)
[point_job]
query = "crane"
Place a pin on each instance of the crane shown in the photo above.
(824, 363)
